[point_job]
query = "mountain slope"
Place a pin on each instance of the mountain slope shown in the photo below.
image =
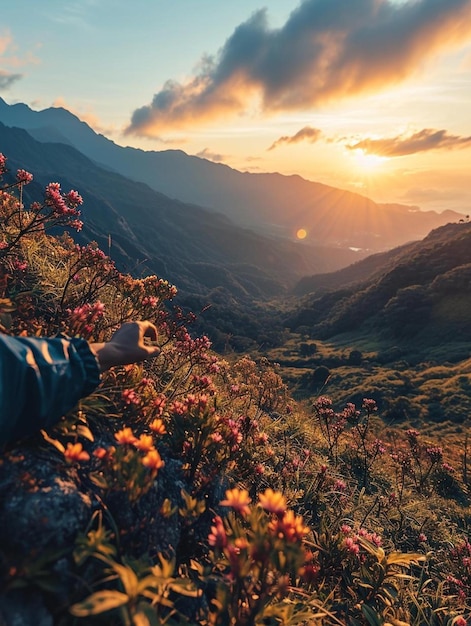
(365, 269)
(166, 236)
(267, 202)
(424, 293)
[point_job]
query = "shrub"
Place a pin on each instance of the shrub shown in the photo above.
(195, 490)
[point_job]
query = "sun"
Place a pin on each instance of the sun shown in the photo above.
(368, 162)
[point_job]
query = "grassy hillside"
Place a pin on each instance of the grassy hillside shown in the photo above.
(419, 294)
(196, 490)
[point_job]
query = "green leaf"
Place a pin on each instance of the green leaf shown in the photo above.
(148, 612)
(371, 616)
(99, 602)
(98, 479)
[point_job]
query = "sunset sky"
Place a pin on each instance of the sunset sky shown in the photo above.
(367, 95)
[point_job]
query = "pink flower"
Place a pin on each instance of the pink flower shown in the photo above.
(369, 405)
(22, 176)
(20, 265)
(73, 198)
(217, 537)
(351, 545)
(129, 396)
(151, 301)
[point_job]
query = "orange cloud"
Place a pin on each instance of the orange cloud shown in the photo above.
(305, 134)
(327, 49)
(6, 78)
(8, 61)
(422, 141)
(5, 42)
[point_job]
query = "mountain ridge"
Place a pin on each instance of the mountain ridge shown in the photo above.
(270, 203)
(421, 292)
(170, 235)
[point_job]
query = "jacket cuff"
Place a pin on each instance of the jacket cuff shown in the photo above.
(90, 365)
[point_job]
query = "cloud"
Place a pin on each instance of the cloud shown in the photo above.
(423, 140)
(5, 42)
(9, 61)
(7, 79)
(211, 156)
(305, 134)
(326, 50)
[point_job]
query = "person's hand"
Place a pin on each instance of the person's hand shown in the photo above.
(127, 345)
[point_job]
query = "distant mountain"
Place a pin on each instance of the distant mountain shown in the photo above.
(420, 292)
(269, 203)
(196, 249)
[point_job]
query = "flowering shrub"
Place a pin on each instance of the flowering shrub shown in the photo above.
(214, 497)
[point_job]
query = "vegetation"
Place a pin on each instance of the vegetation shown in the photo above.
(422, 292)
(194, 489)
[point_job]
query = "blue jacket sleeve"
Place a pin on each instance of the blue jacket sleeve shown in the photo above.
(40, 380)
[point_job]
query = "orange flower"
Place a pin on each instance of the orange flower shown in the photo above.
(238, 499)
(125, 436)
(158, 427)
(75, 452)
(290, 527)
(144, 443)
(100, 453)
(152, 460)
(273, 501)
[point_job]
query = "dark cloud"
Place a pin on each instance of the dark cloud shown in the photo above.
(305, 134)
(421, 141)
(7, 79)
(327, 49)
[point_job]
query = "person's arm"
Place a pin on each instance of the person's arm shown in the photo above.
(42, 379)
